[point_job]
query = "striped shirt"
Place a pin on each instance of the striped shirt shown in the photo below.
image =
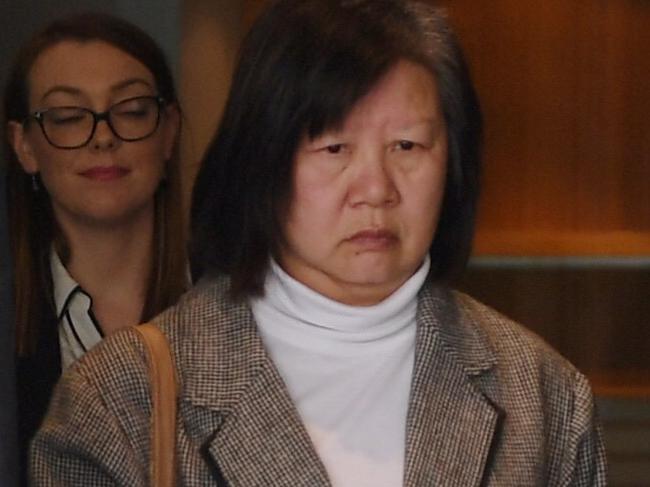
(79, 331)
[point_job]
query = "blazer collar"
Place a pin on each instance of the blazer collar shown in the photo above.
(451, 422)
(245, 408)
(233, 392)
(448, 314)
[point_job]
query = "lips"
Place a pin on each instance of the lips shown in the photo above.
(373, 239)
(105, 173)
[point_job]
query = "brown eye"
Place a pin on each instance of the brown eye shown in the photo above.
(334, 148)
(405, 145)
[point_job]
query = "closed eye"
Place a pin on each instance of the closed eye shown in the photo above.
(141, 113)
(64, 116)
(67, 120)
(135, 108)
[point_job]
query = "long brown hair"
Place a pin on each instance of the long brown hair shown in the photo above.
(33, 227)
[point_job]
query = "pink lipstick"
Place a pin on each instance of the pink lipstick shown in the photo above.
(105, 173)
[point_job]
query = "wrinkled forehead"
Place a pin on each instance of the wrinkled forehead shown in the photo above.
(405, 94)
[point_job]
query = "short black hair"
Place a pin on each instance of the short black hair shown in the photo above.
(302, 68)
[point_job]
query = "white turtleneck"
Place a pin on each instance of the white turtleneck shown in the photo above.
(348, 371)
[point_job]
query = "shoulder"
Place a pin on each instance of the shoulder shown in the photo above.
(519, 350)
(102, 405)
(208, 303)
(205, 321)
(477, 332)
(103, 369)
(545, 404)
(507, 361)
(202, 319)
(97, 427)
(506, 337)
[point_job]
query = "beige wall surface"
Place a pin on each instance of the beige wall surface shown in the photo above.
(210, 36)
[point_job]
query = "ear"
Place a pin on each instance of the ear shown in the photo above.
(171, 128)
(22, 147)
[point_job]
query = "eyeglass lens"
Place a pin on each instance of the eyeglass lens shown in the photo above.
(72, 127)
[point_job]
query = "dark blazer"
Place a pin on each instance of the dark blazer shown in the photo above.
(36, 376)
(491, 405)
(8, 470)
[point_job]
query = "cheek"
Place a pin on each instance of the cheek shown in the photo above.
(308, 214)
(159, 167)
(54, 167)
(45, 156)
(149, 159)
(425, 197)
(314, 197)
(314, 219)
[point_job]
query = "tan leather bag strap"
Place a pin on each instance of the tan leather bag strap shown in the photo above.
(162, 377)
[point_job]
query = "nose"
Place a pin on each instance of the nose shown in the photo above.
(104, 138)
(373, 183)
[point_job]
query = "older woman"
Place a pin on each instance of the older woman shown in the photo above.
(323, 345)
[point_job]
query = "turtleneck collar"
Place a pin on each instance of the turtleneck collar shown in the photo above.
(298, 315)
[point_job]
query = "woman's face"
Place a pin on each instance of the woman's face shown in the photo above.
(108, 181)
(366, 198)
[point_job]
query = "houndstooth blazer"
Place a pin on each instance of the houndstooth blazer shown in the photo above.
(490, 405)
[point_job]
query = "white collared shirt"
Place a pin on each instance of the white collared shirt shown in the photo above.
(78, 328)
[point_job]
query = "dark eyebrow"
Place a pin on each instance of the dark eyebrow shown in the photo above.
(61, 89)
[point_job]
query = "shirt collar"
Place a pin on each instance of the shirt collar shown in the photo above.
(63, 284)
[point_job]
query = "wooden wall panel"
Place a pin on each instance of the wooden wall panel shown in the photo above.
(596, 317)
(211, 34)
(565, 87)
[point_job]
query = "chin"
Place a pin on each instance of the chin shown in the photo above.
(375, 276)
(111, 216)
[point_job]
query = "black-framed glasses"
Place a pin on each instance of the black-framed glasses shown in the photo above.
(71, 127)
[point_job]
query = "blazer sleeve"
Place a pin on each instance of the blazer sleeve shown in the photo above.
(586, 465)
(82, 441)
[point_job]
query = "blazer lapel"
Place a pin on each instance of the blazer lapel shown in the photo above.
(236, 398)
(263, 441)
(451, 423)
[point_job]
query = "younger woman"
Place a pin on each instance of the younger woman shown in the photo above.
(93, 195)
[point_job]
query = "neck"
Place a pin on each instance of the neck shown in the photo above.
(298, 315)
(112, 264)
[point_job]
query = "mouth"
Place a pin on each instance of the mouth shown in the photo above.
(105, 173)
(373, 239)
